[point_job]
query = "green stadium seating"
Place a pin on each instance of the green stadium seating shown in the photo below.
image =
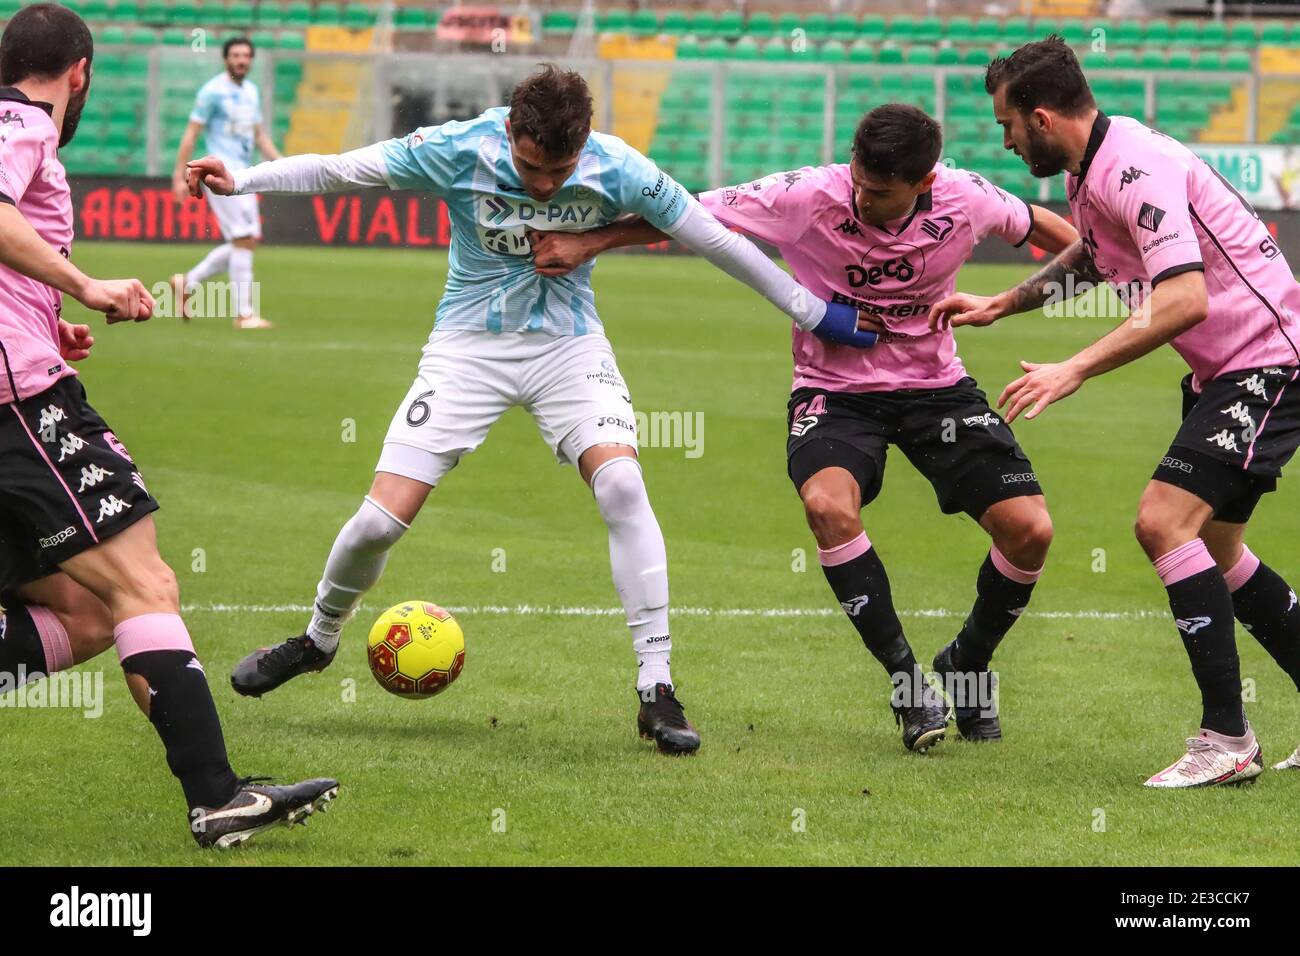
(920, 56)
(1273, 33)
(704, 23)
(613, 21)
(928, 30)
(185, 13)
(1159, 33)
(889, 53)
(844, 27)
(1242, 34)
(124, 11)
(239, 13)
(644, 23)
(832, 51)
(746, 48)
(947, 56)
(761, 24)
(902, 28)
(777, 51)
(872, 27)
(111, 36)
(717, 49)
(328, 14)
(862, 52)
(730, 24)
(1214, 35)
(141, 36)
(558, 22)
(688, 48)
(291, 40)
(817, 27)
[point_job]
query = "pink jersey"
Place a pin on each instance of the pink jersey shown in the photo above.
(1149, 208)
(896, 271)
(31, 178)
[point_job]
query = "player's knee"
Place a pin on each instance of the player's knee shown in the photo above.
(90, 629)
(1032, 537)
(619, 488)
(1151, 528)
(832, 517)
(152, 584)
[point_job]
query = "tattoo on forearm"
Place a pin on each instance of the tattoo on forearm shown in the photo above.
(1049, 281)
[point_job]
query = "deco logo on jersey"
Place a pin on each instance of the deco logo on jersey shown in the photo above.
(888, 267)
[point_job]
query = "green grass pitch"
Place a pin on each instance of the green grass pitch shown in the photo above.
(532, 756)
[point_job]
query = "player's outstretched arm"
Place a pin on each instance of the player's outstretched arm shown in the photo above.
(307, 173)
(23, 250)
(961, 308)
(1174, 306)
(699, 231)
(265, 144)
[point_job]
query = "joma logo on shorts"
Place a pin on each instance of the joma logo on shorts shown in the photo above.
(57, 539)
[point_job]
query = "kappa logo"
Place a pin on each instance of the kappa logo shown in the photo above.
(91, 475)
(112, 505)
(69, 445)
(1130, 176)
(849, 228)
(1240, 414)
(49, 418)
(1225, 440)
(57, 539)
(1191, 625)
(978, 181)
(1019, 478)
(853, 606)
(1256, 386)
(937, 228)
(1168, 462)
(791, 178)
(1150, 217)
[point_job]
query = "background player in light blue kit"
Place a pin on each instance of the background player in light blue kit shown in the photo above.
(228, 111)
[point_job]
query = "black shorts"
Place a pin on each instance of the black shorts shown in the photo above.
(1236, 436)
(67, 483)
(951, 435)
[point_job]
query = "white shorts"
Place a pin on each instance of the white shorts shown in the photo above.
(237, 216)
(571, 386)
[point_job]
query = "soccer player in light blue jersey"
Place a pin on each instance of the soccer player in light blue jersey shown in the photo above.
(505, 335)
(228, 111)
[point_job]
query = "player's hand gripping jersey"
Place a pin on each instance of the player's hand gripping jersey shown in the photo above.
(896, 271)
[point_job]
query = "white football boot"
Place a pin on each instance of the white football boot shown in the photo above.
(1290, 763)
(1213, 760)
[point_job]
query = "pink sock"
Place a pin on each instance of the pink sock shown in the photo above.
(54, 638)
(1243, 570)
(1184, 561)
(151, 632)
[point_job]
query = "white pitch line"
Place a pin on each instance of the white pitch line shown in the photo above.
(548, 610)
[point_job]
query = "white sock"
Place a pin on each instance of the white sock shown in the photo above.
(241, 274)
(214, 263)
(639, 563)
(355, 563)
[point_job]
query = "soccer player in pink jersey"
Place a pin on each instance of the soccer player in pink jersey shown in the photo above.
(888, 233)
(79, 563)
(1199, 271)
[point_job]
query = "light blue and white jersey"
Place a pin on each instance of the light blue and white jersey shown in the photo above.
(491, 282)
(230, 113)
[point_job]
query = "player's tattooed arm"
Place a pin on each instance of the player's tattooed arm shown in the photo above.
(1044, 285)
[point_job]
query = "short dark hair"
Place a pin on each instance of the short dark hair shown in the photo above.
(43, 40)
(1046, 74)
(553, 108)
(897, 141)
(234, 42)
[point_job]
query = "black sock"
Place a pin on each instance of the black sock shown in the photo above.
(1267, 607)
(862, 588)
(22, 655)
(182, 711)
(998, 604)
(1202, 609)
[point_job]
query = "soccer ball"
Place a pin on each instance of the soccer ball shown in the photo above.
(416, 649)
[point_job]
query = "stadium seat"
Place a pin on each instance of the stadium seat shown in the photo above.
(704, 23)
(832, 51)
(947, 56)
(613, 21)
(746, 48)
(920, 55)
(111, 36)
(688, 48)
(141, 36)
(1187, 32)
(1128, 33)
(1237, 61)
(1273, 33)
(644, 23)
(262, 39)
(1016, 31)
(872, 27)
(890, 53)
(777, 51)
(928, 30)
(1151, 58)
(730, 24)
(675, 22)
(1214, 35)
(1075, 31)
(554, 22)
(862, 52)
(359, 16)
(291, 40)
(298, 13)
(1159, 33)
(717, 49)
(239, 13)
(959, 29)
(760, 24)
(1179, 59)
(975, 56)
(124, 11)
(844, 27)
(328, 14)
(1242, 34)
(902, 28)
(271, 14)
(987, 30)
